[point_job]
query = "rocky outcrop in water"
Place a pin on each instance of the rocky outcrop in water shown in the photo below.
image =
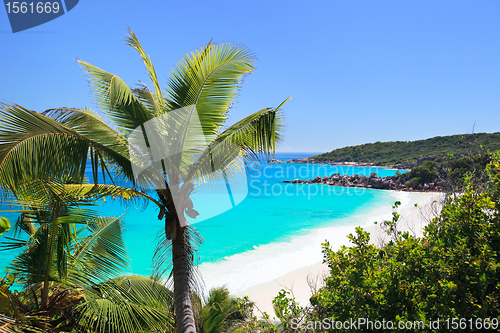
(373, 181)
(273, 160)
(295, 160)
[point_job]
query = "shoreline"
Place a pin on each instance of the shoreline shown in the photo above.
(413, 219)
(357, 164)
(396, 183)
(267, 262)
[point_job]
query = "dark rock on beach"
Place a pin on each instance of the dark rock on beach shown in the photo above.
(295, 160)
(373, 181)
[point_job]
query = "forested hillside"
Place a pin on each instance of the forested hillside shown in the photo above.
(395, 152)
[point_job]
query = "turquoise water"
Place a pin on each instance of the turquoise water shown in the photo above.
(271, 212)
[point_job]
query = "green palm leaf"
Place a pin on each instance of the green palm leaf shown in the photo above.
(254, 134)
(101, 255)
(124, 109)
(210, 79)
(128, 304)
(258, 132)
(153, 99)
(27, 137)
(219, 312)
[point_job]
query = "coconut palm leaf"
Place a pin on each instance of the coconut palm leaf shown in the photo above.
(116, 99)
(26, 137)
(219, 312)
(128, 304)
(101, 255)
(258, 132)
(210, 79)
(81, 193)
(47, 249)
(41, 192)
(90, 125)
(254, 134)
(155, 99)
(56, 209)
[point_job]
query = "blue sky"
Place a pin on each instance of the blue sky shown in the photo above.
(357, 71)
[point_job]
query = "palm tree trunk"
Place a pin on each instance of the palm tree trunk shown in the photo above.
(50, 239)
(182, 295)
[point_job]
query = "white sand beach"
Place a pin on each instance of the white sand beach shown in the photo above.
(413, 219)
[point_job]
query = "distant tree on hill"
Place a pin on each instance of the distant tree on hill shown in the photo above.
(389, 153)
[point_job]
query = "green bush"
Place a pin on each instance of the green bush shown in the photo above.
(413, 182)
(423, 173)
(458, 168)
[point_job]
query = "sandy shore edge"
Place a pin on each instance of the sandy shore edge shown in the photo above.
(413, 219)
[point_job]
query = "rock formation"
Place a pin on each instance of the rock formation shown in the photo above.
(373, 181)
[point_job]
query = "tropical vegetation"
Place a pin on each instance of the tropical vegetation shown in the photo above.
(397, 152)
(449, 174)
(71, 272)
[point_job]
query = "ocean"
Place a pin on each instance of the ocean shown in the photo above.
(276, 227)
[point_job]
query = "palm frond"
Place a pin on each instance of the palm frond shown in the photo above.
(220, 162)
(258, 132)
(28, 138)
(153, 99)
(92, 192)
(123, 108)
(90, 125)
(209, 79)
(101, 255)
(128, 304)
(241, 143)
(219, 312)
(47, 249)
(25, 139)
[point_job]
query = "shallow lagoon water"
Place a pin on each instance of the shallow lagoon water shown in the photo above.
(272, 212)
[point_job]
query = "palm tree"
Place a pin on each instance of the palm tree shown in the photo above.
(205, 84)
(219, 312)
(72, 281)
